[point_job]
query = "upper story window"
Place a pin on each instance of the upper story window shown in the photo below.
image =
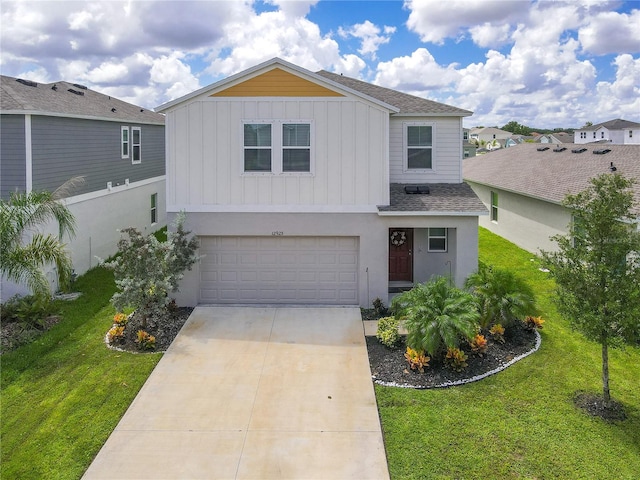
(594, 134)
(601, 134)
(583, 134)
(257, 147)
(465, 135)
(136, 145)
(494, 206)
(630, 133)
(124, 138)
(277, 147)
(419, 146)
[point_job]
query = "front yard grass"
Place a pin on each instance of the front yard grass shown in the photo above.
(520, 423)
(63, 394)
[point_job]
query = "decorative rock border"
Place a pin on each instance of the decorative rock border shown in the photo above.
(465, 380)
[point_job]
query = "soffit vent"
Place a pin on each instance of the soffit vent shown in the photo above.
(81, 87)
(559, 149)
(28, 83)
(542, 149)
(416, 189)
(75, 92)
(602, 151)
(578, 150)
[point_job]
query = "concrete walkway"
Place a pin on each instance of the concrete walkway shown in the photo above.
(254, 393)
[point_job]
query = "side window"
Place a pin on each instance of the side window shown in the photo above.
(257, 147)
(494, 207)
(136, 145)
(124, 139)
(437, 239)
(419, 147)
(154, 208)
(296, 147)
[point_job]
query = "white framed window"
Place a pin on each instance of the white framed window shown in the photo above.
(124, 141)
(277, 147)
(594, 134)
(494, 206)
(630, 133)
(154, 208)
(418, 141)
(136, 145)
(601, 134)
(437, 240)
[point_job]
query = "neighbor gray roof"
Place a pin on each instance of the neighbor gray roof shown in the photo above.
(443, 198)
(550, 175)
(616, 124)
(408, 104)
(44, 99)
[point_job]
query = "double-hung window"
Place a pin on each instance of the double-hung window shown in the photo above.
(124, 140)
(494, 207)
(277, 147)
(437, 239)
(136, 145)
(419, 146)
(154, 208)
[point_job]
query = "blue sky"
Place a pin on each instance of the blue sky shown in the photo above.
(542, 63)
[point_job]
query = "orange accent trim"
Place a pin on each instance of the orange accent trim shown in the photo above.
(277, 83)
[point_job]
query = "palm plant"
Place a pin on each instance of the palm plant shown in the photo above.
(437, 315)
(501, 296)
(24, 251)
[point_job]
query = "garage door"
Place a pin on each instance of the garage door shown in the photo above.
(294, 270)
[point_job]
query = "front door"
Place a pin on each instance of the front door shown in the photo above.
(400, 255)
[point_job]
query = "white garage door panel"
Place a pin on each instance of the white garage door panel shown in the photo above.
(319, 270)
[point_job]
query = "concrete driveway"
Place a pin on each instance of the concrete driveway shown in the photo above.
(254, 393)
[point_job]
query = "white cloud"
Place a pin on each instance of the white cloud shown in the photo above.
(611, 32)
(488, 35)
(370, 37)
(436, 20)
(294, 8)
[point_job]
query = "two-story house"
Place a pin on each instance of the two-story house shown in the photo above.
(52, 132)
(315, 188)
(618, 131)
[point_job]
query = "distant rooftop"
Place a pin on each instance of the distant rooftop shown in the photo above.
(69, 99)
(616, 124)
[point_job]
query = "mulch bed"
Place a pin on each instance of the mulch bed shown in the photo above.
(595, 406)
(389, 367)
(164, 329)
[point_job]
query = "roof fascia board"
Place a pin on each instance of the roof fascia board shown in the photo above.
(434, 114)
(82, 117)
(429, 213)
(265, 66)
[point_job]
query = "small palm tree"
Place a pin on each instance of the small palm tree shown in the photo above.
(437, 315)
(24, 250)
(501, 296)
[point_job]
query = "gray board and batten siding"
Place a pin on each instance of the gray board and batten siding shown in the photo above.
(13, 173)
(68, 147)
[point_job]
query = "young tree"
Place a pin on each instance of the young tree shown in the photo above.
(597, 266)
(24, 251)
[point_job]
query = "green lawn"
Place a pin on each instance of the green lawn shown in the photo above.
(63, 395)
(520, 423)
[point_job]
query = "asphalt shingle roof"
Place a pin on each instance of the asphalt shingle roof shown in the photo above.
(408, 104)
(442, 198)
(615, 124)
(550, 175)
(44, 99)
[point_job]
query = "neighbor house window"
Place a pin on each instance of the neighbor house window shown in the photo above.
(257, 147)
(601, 134)
(124, 135)
(594, 134)
(296, 147)
(437, 240)
(419, 145)
(465, 135)
(154, 208)
(630, 133)
(136, 139)
(494, 207)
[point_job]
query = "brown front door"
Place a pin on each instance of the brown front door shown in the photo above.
(400, 255)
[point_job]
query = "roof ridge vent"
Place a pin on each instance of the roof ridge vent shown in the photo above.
(578, 150)
(559, 149)
(81, 87)
(542, 149)
(602, 151)
(28, 83)
(76, 92)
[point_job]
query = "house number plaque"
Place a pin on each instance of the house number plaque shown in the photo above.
(277, 234)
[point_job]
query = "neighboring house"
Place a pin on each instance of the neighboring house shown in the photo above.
(618, 131)
(468, 149)
(315, 188)
(559, 137)
(487, 134)
(523, 186)
(52, 132)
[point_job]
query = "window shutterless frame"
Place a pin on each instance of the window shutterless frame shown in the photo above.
(494, 206)
(418, 146)
(124, 141)
(136, 145)
(437, 241)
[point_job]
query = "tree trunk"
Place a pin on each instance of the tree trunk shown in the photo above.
(605, 372)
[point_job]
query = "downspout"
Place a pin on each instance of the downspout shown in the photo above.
(28, 153)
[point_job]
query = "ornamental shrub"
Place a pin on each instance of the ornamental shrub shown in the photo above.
(387, 332)
(147, 270)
